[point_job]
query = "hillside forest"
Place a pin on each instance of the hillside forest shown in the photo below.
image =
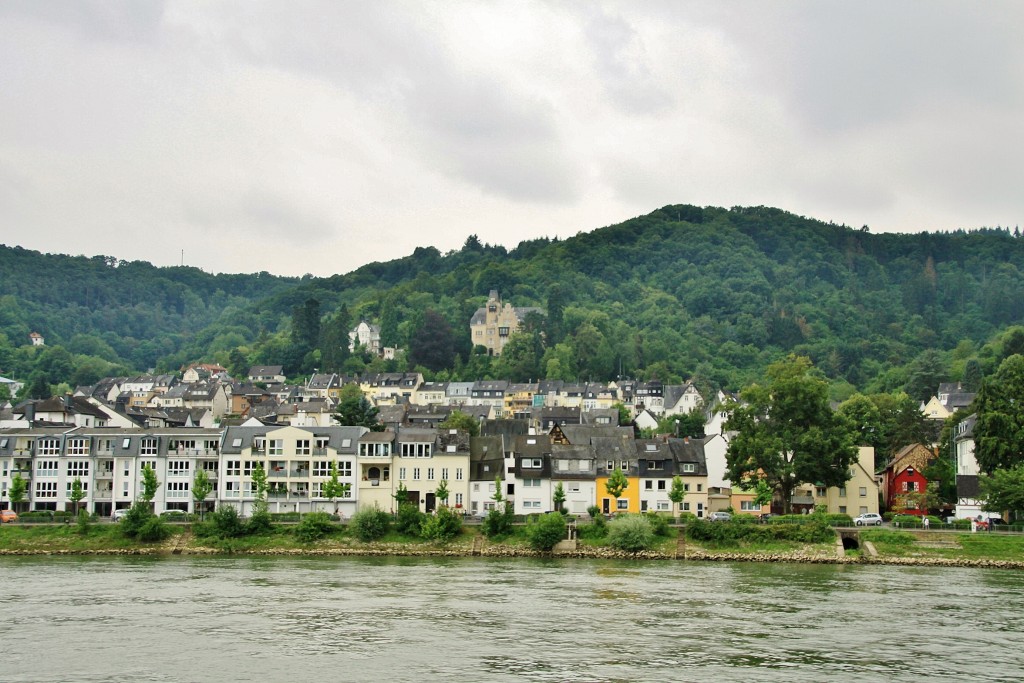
(711, 295)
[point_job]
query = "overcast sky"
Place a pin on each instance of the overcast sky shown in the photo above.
(314, 137)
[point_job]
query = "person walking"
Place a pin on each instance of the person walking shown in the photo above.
(926, 522)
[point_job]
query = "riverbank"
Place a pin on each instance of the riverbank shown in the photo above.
(896, 548)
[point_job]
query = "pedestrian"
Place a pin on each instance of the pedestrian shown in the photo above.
(974, 525)
(926, 521)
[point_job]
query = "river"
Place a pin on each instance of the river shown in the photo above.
(482, 619)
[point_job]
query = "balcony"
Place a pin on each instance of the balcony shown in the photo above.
(103, 495)
(105, 474)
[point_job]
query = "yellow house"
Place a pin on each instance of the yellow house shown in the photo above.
(860, 494)
(629, 501)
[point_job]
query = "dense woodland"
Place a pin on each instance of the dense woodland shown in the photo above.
(709, 294)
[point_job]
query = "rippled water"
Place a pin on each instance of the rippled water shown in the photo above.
(476, 619)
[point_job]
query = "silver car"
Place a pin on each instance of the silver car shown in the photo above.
(868, 519)
(719, 517)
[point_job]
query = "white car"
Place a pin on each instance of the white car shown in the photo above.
(868, 519)
(119, 514)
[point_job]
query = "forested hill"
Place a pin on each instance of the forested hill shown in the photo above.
(684, 292)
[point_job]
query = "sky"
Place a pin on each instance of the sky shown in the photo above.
(317, 136)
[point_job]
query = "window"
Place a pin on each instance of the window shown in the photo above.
(178, 467)
(302, 447)
(842, 509)
(532, 463)
(85, 487)
(842, 492)
(610, 465)
(686, 488)
(476, 488)
(530, 483)
(46, 489)
(148, 447)
(686, 507)
(663, 505)
(248, 466)
(911, 485)
(430, 474)
(531, 504)
(416, 450)
(210, 466)
(236, 443)
(46, 468)
(231, 489)
(458, 474)
(863, 491)
(689, 467)
(655, 465)
(233, 467)
(277, 447)
(126, 443)
(345, 443)
(177, 489)
(322, 468)
(78, 468)
(444, 473)
(622, 504)
(78, 447)
(623, 465)
(401, 473)
(748, 506)
(700, 487)
(48, 447)
(661, 484)
(458, 500)
(415, 473)
(649, 485)
(344, 468)
(573, 487)
(819, 491)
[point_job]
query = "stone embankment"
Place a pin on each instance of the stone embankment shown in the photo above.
(494, 550)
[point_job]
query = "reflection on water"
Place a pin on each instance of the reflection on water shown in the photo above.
(477, 619)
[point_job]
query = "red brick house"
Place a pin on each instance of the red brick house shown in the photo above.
(904, 482)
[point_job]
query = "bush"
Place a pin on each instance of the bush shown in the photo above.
(224, 522)
(259, 523)
(545, 531)
(370, 524)
(314, 526)
(153, 529)
(285, 516)
(136, 518)
(442, 526)
(498, 522)
(36, 516)
(594, 531)
(631, 533)
(727, 533)
(685, 517)
(887, 536)
(907, 521)
(409, 520)
(84, 522)
(659, 525)
(839, 519)
(594, 512)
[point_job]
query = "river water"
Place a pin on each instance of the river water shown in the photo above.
(482, 619)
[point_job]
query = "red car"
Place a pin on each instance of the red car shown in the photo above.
(8, 516)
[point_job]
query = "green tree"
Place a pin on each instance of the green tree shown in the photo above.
(787, 434)
(259, 521)
(150, 484)
(625, 417)
(433, 344)
(762, 493)
(401, 495)
(973, 376)
(38, 387)
(77, 493)
(1003, 490)
(305, 331)
(442, 493)
(999, 431)
(17, 491)
(370, 524)
(558, 497)
(617, 483)
(334, 341)
(333, 488)
(677, 493)
(442, 526)
(544, 533)
(460, 420)
(355, 410)
(201, 488)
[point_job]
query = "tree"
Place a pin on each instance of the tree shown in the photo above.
(624, 416)
(545, 532)
(678, 492)
(150, 484)
(334, 341)
(433, 344)
(617, 483)
(973, 376)
(201, 488)
(401, 495)
(631, 534)
(999, 431)
(333, 488)
(762, 493)
(460, 420)
(17, 491)
(38, 387)
(77, 493)
(442, 492)
(558, 497)
(355, 410)
(1004, 490)
(787, 434)
(305, 334)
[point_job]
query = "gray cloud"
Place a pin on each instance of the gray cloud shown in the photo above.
(344, 133)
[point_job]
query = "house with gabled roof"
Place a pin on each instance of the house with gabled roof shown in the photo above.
(493, 324)
(487, 465)
(267, 374)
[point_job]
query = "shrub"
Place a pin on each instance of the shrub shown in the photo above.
(314, 526)
(409, 520)
(285, 516)
(594, 511)
(907, 521)
(259, 523)
(659, 525)
(838, 519)
(545, 531)
(594, 531)
(498, 522)
(442, 526)
(631, 533)
(84, 522)
(887, 536)
(135, 519)
(685, 517)
(224, 522)
(370, 524)
(153, 529)
(809, 531)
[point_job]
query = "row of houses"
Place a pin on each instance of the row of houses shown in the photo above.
(528, 466)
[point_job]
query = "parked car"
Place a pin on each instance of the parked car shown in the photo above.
(868, 519)
(8, 516)
(719, 517)
(119, 514)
